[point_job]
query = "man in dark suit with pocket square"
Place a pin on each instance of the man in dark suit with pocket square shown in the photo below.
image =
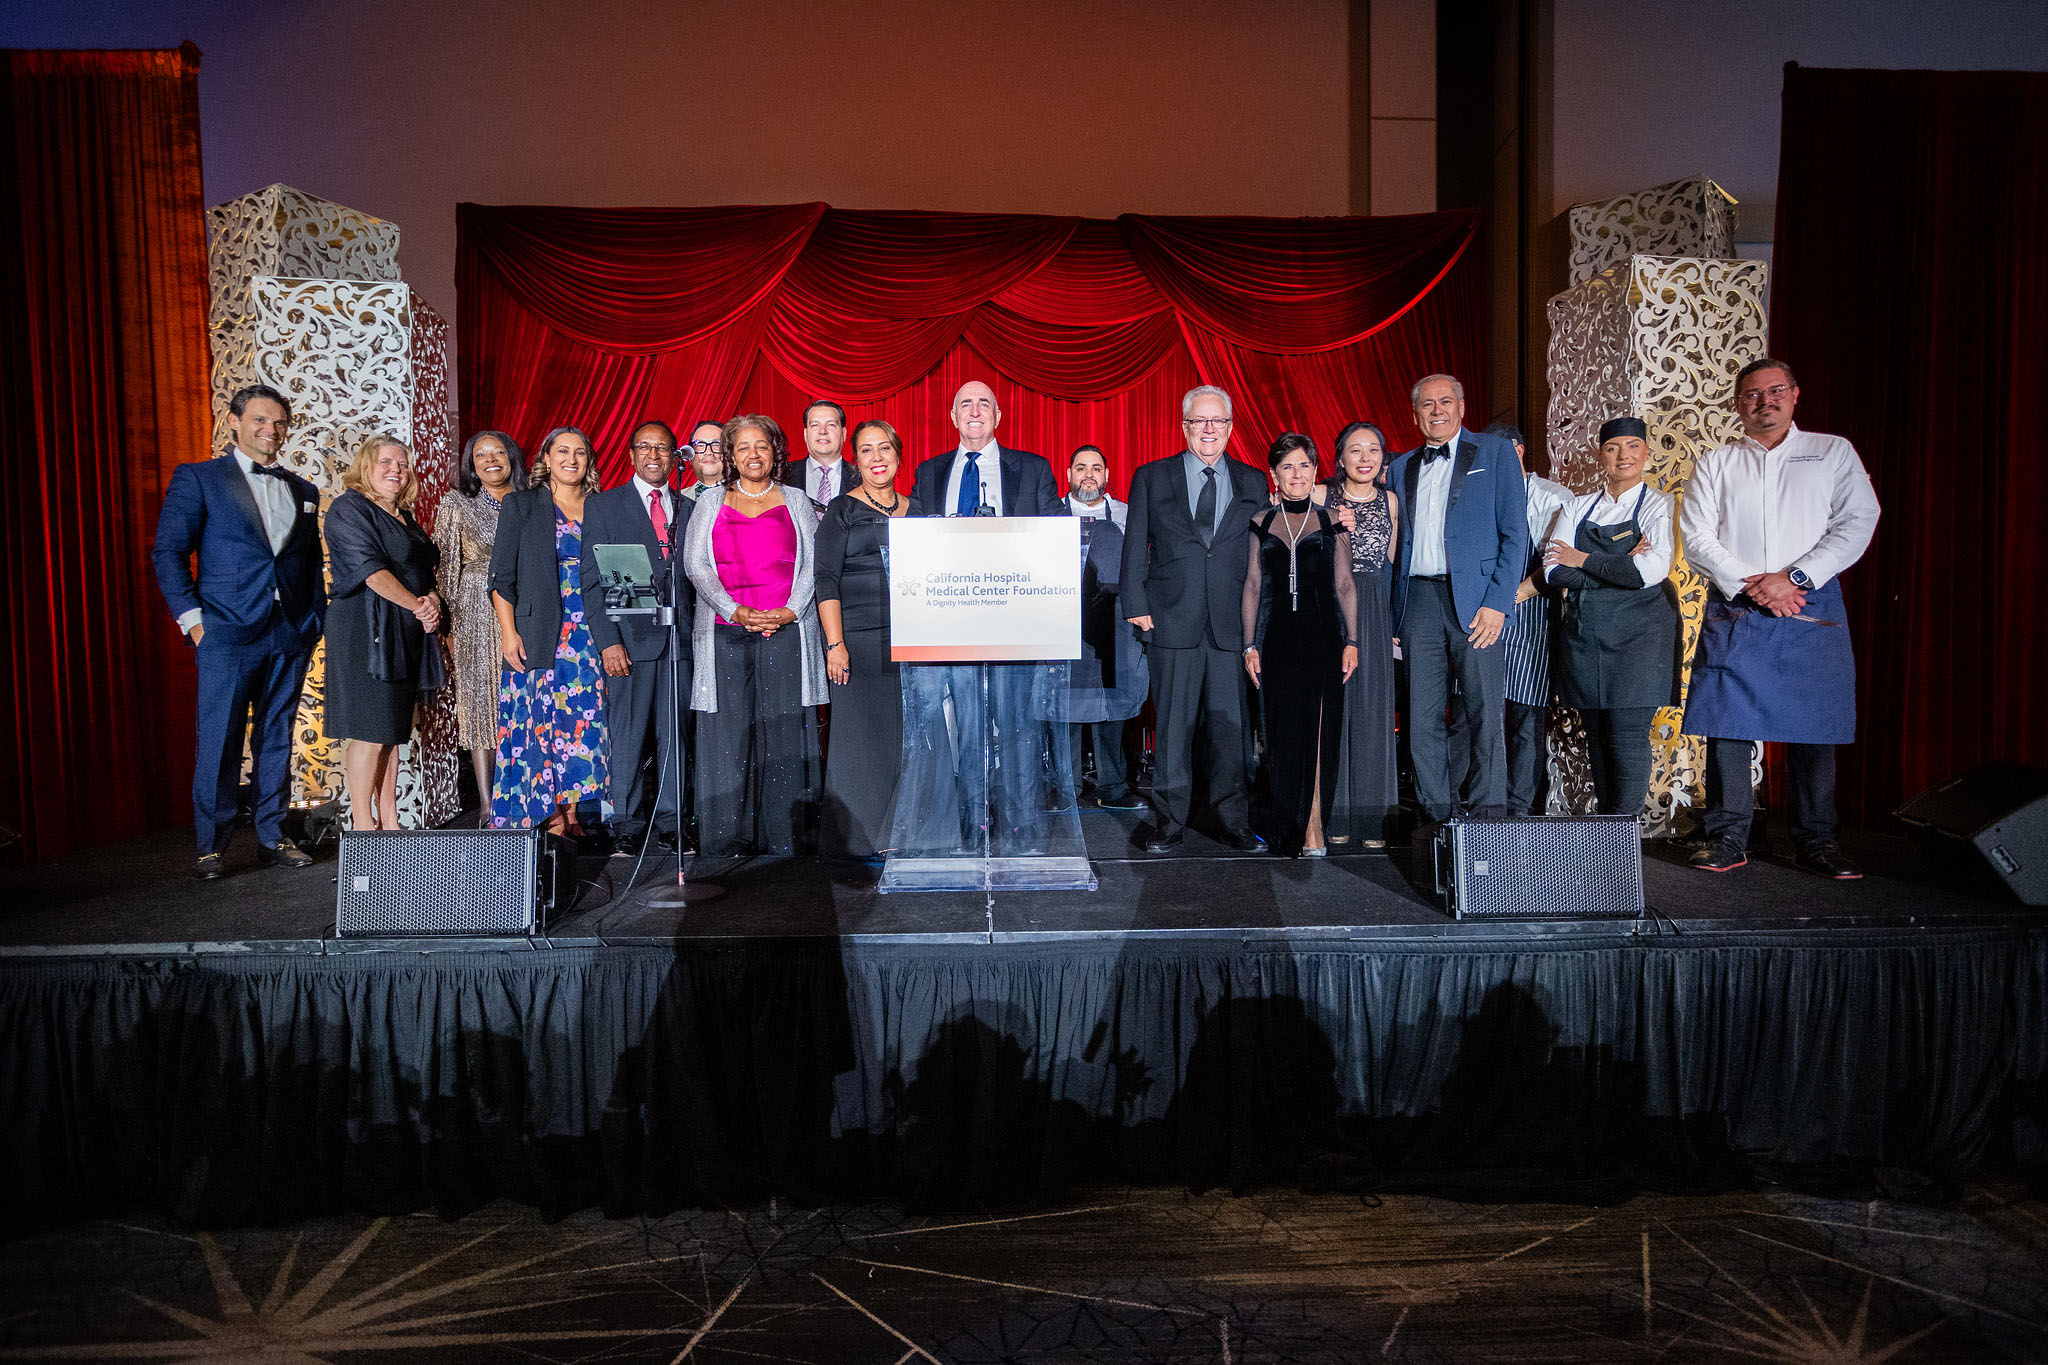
(1464, 550)
(1187, 546)
(637, 650)
(253, 612)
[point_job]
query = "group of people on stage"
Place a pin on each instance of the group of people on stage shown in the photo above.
(1447, 585)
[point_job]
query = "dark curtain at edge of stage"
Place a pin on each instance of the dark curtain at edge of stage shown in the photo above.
(264, 1088)
(1909, 269)
(104, 366)
(1089, 330)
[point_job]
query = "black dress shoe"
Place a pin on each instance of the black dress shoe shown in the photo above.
(284, 853)
(207, 868)
(1123, 803)
(1720, 856)
(628, 845)
(1163, 843)
(1243, 840)
(665, 840)
(1827, 861)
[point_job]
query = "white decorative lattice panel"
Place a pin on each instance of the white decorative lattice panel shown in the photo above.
(285, 232)
(1660, 338)
(1691, 217)
(428, 772)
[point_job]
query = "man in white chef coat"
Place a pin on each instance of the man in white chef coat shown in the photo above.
(1772, 520)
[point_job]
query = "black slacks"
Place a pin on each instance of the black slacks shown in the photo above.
(1731, 801)
(1112, 767)
(635, 706)
(1434, 645)
(1620, 755)
(1198, 689)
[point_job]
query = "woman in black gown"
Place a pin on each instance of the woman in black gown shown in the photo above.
(1301, 633)
(384, 613)
(853, 611)
(1367, 779)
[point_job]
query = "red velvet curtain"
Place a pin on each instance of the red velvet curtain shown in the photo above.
(1911, 272)
(1089, 330)
(103, 391)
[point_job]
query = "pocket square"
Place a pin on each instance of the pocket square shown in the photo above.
(309, 507)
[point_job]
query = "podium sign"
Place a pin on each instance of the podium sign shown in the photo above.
(984, 589)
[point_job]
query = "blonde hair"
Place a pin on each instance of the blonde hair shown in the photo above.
(357, 477)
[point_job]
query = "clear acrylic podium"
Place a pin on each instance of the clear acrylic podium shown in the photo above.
(986, 796)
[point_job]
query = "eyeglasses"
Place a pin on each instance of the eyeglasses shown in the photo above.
(1207, 422)
(652, 448)
(708, 447)
(1758, 395)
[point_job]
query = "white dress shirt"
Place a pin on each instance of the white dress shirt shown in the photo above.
(988, 466)
(643, 489)
(1598, 509)
(1546, 499)
(274, 503)
(1104, 506)
(1426, 518)
(1807, 504)
(815, 475)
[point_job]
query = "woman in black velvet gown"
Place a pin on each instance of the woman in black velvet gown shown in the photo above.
(1301, 633)
(866, 751)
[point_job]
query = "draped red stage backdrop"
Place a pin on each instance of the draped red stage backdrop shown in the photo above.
(1089, 330)
(103, 391)
(1911, 266)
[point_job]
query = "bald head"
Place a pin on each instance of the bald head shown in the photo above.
(975, 414)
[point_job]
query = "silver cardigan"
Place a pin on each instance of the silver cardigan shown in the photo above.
(714, 601)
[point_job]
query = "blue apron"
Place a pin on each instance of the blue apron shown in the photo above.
(1776, 678)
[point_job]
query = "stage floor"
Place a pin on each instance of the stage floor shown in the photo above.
(137, 896)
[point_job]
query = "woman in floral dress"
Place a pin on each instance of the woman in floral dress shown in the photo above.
(551, 741)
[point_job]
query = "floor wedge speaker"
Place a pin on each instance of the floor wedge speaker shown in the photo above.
(441, 883)
(1549, 867)
(1988, 828)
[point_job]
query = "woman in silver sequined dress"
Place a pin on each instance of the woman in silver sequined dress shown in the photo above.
(1367, 780)
(465, 527)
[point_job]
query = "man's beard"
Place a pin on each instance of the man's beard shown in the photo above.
(1082, 496)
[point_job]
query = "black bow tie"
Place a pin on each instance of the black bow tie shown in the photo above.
(1434, 453)
(271, 471)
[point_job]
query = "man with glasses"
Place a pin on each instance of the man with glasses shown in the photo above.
(1186, 547)
(706, 456)
(637, 650)
(1772, 520)
(822, 473)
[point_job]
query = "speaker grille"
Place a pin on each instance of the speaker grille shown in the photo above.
(1557, 867)
(435, 883)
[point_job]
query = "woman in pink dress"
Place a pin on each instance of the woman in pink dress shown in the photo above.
(760, 666)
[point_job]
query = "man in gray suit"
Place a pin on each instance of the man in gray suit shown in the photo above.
(637, 650)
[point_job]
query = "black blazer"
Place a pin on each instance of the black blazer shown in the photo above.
(618, 517)
(1028, 489)
(796, 474)
(1193, 593)
(523, 571)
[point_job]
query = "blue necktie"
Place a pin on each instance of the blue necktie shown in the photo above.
(970, 487)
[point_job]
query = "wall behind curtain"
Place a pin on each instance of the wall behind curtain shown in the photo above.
(103, 386)
(1912, 266)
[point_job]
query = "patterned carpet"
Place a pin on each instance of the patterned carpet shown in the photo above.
(1119, 1275)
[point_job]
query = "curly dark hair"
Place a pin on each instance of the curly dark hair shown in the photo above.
(768, 427)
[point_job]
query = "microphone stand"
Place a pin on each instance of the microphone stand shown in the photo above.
(685, 891)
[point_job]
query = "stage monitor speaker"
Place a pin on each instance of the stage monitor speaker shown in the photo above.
(1987, 827)
(443, 883)
(1548, 867)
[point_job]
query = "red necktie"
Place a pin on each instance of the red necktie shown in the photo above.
(659, 516)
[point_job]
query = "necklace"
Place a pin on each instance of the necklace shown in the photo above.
(741, 488)
(867, 496)
(1294, 535)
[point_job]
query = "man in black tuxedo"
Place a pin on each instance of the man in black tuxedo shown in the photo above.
(1186, 546)
(823, 474)
(253, 613)
(981, 477)
(637, 650)
(1464, 551)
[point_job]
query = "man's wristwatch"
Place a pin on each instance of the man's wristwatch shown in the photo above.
(1799, 579)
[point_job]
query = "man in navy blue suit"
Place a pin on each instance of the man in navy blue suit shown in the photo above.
(253, 613)
(1464, 549)
(982, 477)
